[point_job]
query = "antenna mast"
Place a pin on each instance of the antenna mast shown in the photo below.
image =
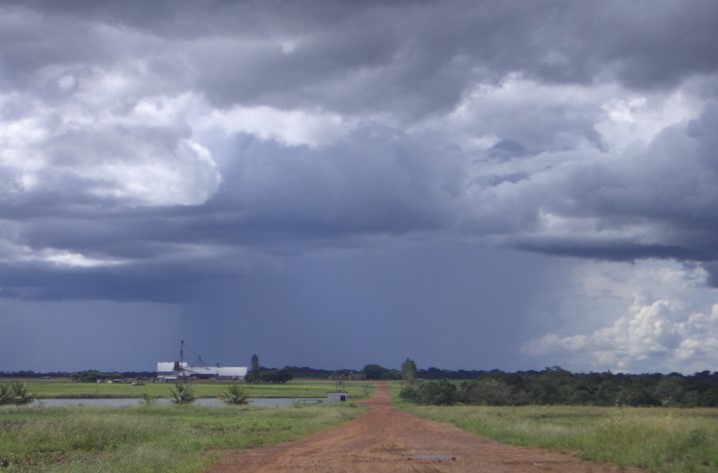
(182, 359)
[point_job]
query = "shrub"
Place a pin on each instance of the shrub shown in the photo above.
(235, 395)
(438, 393)
(20, 394)
(5, 394)
(15, 393)
(182, 394)
(489, 392)
(147, 399)
(409, 393)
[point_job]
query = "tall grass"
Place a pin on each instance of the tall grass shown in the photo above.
(659, 440)
(148, 438)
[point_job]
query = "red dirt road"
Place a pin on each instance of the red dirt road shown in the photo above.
(386, 440)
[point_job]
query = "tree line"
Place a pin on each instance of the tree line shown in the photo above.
(555, 385)
(439, 386)
(89, 376)
(259, 374)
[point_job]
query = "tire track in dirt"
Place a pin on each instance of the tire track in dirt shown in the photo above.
(387, 440)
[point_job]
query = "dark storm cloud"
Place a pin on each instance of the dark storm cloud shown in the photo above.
(368, 60)
(438, 295)
(376, 184)
(272, 200)
(401, 62)
(407, 58)
(669, 190)
(312, 173)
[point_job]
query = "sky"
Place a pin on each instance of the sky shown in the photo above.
(470, 184)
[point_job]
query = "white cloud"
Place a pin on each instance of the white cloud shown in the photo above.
(670, 321)
(190, 178)
(634, 121)
(109, 140)
(11, 252)
(289, 127)
(73, 260)
(540, 117)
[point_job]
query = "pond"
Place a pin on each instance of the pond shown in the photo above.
(204, 402)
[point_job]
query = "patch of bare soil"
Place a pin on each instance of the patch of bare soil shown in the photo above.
(386, 440)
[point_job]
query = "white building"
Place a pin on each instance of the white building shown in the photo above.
(172, 370)
(337, 396)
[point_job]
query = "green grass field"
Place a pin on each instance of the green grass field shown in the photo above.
(183, 439)
(153, 438)
(148, 438)
(656, 439)
(63, 388)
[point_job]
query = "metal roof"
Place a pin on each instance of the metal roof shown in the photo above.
(223, 371)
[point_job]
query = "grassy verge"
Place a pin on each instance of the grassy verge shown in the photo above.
(659, 440)
(147, 439)
(46, 389)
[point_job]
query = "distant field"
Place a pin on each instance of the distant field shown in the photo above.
(660, 440)
(154, 439)
(63, 388)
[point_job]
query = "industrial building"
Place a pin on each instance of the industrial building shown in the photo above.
(174, 370)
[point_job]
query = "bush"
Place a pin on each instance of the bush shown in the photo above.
(147, 399)
(5, 394)
(15, 393)
(438, 393)
(489, 392)
(20, 394)
(235, 395)
(182, 394)
(409, 393)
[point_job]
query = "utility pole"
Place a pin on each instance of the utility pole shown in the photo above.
(182, 360)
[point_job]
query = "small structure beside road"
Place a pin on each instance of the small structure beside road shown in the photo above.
(337, 396)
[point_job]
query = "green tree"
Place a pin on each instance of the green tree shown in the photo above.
(276, 376)
(373, 371)
(408, 372)
(253, 375)
(670, 391)
(438, 393)
(488, 391)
